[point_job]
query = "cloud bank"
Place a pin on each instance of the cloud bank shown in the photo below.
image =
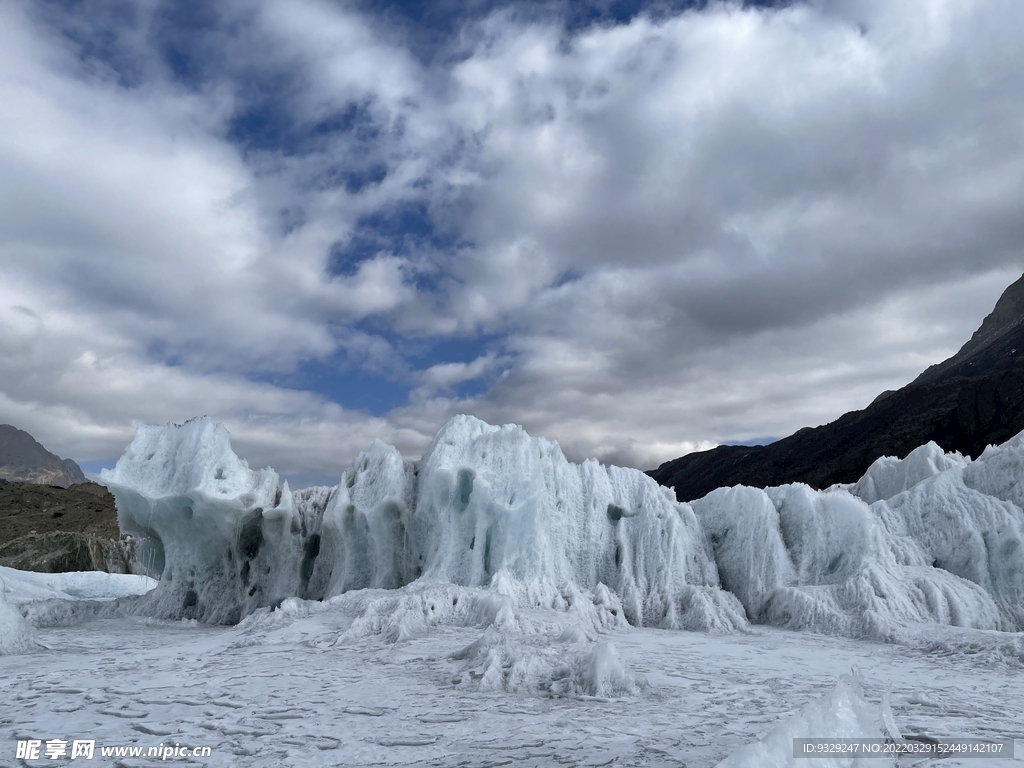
(322, 223)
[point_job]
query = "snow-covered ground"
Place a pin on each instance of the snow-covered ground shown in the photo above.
(291, 693)
(494, 604)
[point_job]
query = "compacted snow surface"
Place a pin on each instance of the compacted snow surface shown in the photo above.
(494, 604)
(295, 695)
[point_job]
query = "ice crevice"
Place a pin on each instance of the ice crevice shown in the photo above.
(495, 528)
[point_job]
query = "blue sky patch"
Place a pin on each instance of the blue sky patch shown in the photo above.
(402, 230)
(345, 384)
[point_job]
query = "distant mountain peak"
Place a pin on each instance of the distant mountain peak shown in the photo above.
(965, 403)
(24, 459)
(1006, 316)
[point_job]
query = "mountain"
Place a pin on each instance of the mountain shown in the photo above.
(23, 459)
(965, 403)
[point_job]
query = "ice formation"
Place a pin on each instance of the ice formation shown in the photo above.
(843, 713)
(16, 634)
(566, 665)
(485, 504)
(890, 476)
(27, 587)
(826, 561)
(32, 600)
(492, 522)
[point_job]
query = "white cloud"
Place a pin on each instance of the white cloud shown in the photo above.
(719, 225)
(443, 377)
(734, 188)
(131, 233)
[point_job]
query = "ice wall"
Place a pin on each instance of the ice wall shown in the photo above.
(224, 539)
(829, 562)
(16, 634)
(930, 539)
(933, 538)
(484, 502)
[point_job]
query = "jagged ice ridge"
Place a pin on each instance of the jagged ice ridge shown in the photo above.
(493, 523)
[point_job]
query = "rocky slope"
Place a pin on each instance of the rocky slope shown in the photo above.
(45, 528)
(23, 459)
(67, 551)
(971, 400)
(29, 508)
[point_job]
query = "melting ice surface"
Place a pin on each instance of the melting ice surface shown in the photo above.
(494, 567)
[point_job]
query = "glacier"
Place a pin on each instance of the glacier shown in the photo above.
(507, 522)
(493, 598)
(485, 504)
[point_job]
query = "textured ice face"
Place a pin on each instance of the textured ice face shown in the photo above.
(495, 500)
(999, 472)
(485, 503)
(224, 539)
(828, 562)
(889, 476)
(932, 538)
(16, 634)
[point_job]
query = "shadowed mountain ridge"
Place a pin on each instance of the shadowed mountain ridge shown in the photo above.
(24, 459)
(971, 400)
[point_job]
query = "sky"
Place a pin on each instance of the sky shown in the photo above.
(639, 229)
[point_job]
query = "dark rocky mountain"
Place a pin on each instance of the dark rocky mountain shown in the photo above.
(971, 400)
(51, 529)
(23, 459)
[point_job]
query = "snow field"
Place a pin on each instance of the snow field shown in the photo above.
(304, 685)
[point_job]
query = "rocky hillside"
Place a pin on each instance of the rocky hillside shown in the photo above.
(44, 528)
(23, 459)
(971, 400)
(29, 508)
